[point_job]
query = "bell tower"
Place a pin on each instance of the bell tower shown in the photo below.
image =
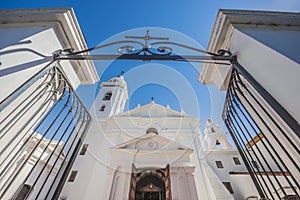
(214, 135)
(111, 98)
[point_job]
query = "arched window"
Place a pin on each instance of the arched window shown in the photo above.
(102, 108)
(152, 130)
(107, 96)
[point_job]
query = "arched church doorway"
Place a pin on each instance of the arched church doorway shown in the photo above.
(150, 187)
(150, 184)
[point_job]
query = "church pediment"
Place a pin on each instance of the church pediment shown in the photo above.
(152, 142)
(152, 110)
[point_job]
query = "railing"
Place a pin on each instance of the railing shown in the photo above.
(267, 141)
(42, 125)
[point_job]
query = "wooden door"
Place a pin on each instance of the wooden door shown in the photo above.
(132, 186)
(168, 183)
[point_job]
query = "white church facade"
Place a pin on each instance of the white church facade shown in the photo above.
(151, 152)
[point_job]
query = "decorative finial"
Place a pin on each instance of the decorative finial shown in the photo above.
(152, 99)
(121, 73)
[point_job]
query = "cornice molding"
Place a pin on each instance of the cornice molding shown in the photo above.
(64, 23)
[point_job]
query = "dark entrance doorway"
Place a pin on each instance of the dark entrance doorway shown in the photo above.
(150, 184)
(150, 187)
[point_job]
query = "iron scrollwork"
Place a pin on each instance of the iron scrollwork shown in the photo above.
(160, 51)
(133, 49)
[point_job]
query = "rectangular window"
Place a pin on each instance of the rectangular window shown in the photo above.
(236, 161)
(102, 108)
(228, 186)
(72, 176)
(219, 164)
(255, 165)
(83, 149)
(107, 96)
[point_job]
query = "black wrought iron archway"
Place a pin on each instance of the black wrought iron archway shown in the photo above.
(147, 52)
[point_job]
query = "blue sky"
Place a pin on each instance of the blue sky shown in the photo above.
(194, 19)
